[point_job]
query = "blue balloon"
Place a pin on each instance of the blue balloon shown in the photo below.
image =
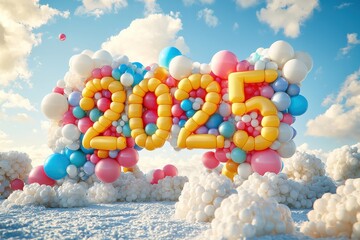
(182, 123)
(137, 79)
(150, 129)
(293, 90)
(281, 100)
(130, 71)
(190, 113)
(213, 131)
(137, 148)
(55, 166)
(227, 129)
(89, 168)
(74, 98)
(166, 55)
(86, 150)
(95, 114)
(280, 85)
(116, 73)
(78, 158)
(78, 112)
(214, 121)
(126, 130)
(298, 105)
(122, 68)
(68, 152)
(113, 153)
(238, 155)
(186, 105)
(137, 65)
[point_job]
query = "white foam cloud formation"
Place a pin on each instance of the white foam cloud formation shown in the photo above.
(341, 119)
(100, 7)
(208, 15)
(144, 39)
(18, 19)
(288, 15)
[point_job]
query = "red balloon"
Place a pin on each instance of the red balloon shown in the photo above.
(220, 154)
(128, 157)
(103, 104)
(149, 116)
(157, 175)
(170, 170)
(150, 101)
(17, 184)
(266, 161)
(107, 170)
(37, 175)
(209, 160)
(62, 37)
(84, 124)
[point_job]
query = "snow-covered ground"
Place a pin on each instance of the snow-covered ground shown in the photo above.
(151, 220)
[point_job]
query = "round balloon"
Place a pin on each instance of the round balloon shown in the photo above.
(54, 105)
(266, 161)
(223, 63)
(209, 160)
(295, 71)
(55, 166)
(167, 54)
(62, 37)
(17, 184)
(180, 67)
(37, 175)
(280, 52)
(298, 105)
(107, 170)
(170, 170)
(128, 157)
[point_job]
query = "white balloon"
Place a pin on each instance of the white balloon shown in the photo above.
(281, 52)
(82, 65)
(71, 132)
(54, 105)
(102, 58)
(295, 71)
(259, 65)
(123, 59)
(180, 67)
(72, 171)
(244, 170)
(127, 79)
(287, 149)
(271, 65)
(205, 68)
(225, 109)
(285, 133)
(305, 58)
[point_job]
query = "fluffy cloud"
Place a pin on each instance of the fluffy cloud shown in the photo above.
(144, 39)
(341, 119)
(246, 3)
(100, 7)
(208, 15)
(14, 100)
(352, 40)
(151, 7)
(191, 2)
(343, 5)
(17, 21)
(287, 14)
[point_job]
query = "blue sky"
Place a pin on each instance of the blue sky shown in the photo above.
(32, 59)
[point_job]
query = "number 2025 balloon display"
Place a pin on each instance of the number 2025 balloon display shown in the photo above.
(107, 109)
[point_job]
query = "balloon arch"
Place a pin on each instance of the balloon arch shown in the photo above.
(106, 110)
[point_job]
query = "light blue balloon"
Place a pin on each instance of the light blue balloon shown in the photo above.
(167, 54)
(122, 68)
(55, 166)
(137, 79)
(227, 129)
(150, 129)
(130, 71)
(95, 114)
(116, 73)
(126, 131)
(113, 153)
(68, 152)
(238, 155)
(78, 112)
(190, 113)
(78, 158)
(281, 100)
(89, 168)
(298, 105)
(182, 123)
(74, 98)
(280, 85)
(214, 121)
(186, 105)
(293, 90)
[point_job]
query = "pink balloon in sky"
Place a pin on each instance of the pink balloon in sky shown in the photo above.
(62, 37)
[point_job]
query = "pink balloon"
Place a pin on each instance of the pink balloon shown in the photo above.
(37, 175)
(176, 110)
(106, 71)
(170, 170)
(223, 63)
(201, 93)
(267, 91)
(130, 142)
(68, 117)
(58, 90)
(149, 116)
(287, 118)
(150, 101)
(94, 158)
(157, 175)
(220, 154)
(170, 81)
(107, 170)
(128, 157)
(242, 66)
(84, 124)
(209, 160)
(266, 161)
(103, 104)
(17, 184)
(62, 37)
(96, 73)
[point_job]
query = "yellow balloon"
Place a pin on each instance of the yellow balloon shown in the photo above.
(87, 104)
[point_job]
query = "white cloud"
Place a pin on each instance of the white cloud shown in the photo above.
(287, 14)
(343, 5)
(100, 7)
(208, 15)
(341, 119)
(319, 153)
(14, 100)
(151, 7)
(17, 21)
(144, 39)
(352, 40)
(247, 3)
(191, 2)
(4, 139)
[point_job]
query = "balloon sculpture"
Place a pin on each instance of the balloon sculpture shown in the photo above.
(110, 109)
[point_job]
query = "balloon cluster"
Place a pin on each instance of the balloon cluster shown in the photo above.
(109, 109)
